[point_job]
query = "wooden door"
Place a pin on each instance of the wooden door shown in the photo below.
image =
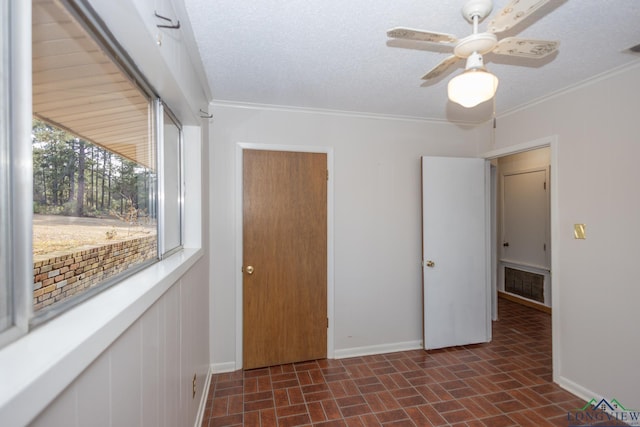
(284, 257)
(455, 250)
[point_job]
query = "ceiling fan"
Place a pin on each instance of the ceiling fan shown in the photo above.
(476, 85)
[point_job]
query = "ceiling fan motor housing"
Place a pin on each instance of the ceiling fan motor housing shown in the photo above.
(479, 42)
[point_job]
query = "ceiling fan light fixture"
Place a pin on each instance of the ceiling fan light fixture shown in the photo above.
(476, 85)
(472, 87)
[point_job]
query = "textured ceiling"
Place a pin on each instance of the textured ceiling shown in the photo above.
(335, 55)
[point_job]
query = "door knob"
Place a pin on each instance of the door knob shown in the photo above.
(505, 244)
(430, 264)
(249, 269)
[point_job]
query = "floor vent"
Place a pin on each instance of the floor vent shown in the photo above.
(524, 283)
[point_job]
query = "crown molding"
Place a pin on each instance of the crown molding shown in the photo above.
(338, 113)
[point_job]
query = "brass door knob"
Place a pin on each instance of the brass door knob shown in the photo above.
(430, 264)
(249, 269)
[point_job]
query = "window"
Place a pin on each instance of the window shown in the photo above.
(106, 168)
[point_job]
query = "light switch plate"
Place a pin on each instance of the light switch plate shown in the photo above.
(580, 231)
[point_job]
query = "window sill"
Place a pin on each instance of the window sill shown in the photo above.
(39, 366)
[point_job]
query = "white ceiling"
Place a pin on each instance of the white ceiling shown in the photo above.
(335, 55)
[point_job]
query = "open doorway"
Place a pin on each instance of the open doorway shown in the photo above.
(552, 185)
(522, 227)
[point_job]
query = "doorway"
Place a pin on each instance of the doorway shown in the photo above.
(285, 285)
(523, 236)
(554, 283)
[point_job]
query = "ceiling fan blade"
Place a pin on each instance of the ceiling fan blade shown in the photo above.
(514, 13)
(526, 47)
(441, 67)
(425, 36)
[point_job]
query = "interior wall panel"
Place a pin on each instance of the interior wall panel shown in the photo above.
(144, 378)
(126, 379)
(151, 379)
(93, 391)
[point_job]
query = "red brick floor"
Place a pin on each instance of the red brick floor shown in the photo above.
(503, 383)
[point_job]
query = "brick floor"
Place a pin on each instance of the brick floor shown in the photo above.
(507, 382)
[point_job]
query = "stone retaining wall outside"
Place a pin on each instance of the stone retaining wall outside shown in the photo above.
(61, 275)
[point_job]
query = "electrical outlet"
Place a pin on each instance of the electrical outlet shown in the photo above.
(194, 387)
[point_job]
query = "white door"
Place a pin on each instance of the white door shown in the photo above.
(525, 217)
(456, 239)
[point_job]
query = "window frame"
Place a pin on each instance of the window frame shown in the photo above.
(160, 110)
(16, 47)
(6, 292)
(15, 16)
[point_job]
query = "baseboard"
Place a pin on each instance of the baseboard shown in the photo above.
(377, 349)
(580, 391)
(525, 301)
(220, 368)
(203, 399)
(630, 416)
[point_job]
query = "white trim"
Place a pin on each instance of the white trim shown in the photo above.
(378, 349)
(221, 368)
(588, 396)
(238, 258)
(528, 170)
(555, 259)
(532, 268)
(330, 237)
(203, 399)
(573, 388)
(339, 113)
(488, 265)
(552, 142)
(520, 148)
(493, 218)
(39, 366)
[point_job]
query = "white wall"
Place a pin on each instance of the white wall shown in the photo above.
(378, 284)
(597, 278)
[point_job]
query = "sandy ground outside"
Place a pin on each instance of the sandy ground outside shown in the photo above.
(54, 233)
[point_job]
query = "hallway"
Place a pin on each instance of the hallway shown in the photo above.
(504, 383)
